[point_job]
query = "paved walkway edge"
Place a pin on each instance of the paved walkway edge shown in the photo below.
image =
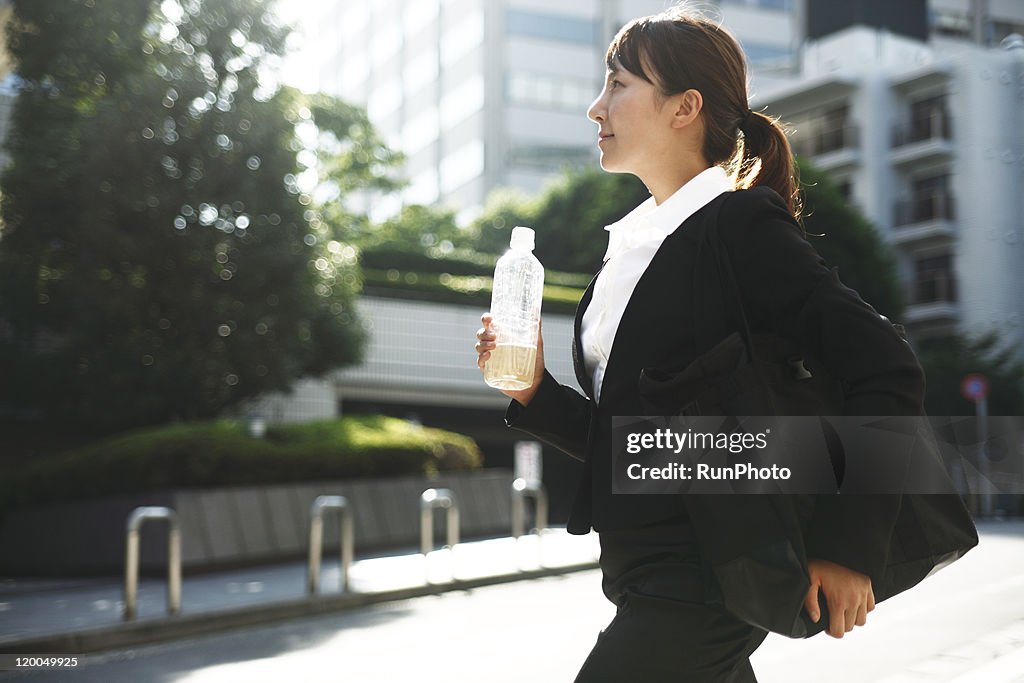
(160, 629)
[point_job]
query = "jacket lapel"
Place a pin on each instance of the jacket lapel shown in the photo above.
(582, 376)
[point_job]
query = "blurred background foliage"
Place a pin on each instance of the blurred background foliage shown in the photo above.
(948, 361)
(206, 454)
(160, 257)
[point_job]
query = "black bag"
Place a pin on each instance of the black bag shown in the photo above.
(752, 546)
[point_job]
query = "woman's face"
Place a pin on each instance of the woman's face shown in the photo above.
(631, 120)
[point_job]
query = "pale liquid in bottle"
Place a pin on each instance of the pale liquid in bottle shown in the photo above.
(511, 366)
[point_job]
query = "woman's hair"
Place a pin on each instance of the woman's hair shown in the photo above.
(678, 50)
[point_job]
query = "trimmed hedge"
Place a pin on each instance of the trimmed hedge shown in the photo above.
(455, 262)
(210, 454)
(472, 290)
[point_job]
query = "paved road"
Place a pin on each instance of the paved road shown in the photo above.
(964, 625)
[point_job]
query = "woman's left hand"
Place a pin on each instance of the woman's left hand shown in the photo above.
(848, 594)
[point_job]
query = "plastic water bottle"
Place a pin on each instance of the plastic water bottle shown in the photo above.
(515, 308)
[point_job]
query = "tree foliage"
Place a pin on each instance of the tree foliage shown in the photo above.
(569, 217)
(162, 257)
(849, 241)
(947, 360)
(416, 229)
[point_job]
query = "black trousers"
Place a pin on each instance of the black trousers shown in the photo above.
(662, 630)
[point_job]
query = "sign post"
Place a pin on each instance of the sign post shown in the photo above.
(974, 387)
(528, 462)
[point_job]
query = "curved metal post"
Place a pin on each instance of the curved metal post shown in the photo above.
(316, 539)
(521, 490)
(435, 498)
(131, 574)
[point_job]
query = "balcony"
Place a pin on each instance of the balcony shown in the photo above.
(933, 319)
(924, 220)
(936, 286)
(924, 140)
(933, 302)
(831, 148)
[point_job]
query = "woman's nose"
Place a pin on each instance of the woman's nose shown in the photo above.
(596, 111)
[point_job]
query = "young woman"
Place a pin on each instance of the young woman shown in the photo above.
(674, 113)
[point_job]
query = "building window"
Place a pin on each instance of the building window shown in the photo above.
(555, 27)
(763, 53)
(549, 157)
(462, 102)
(929, 116)
(550, 92)
(931, 199)
(385, 44)
(420, 70)
(462, 166)
(950, 23)
(822, 131)
(929, 120)
(422, 189)
(934, 281)
(385, 99)
(460, 39)
(420, 131)
(784, 5)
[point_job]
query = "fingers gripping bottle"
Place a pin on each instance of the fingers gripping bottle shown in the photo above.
(515, 309)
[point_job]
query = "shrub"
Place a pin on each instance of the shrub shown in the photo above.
(220, 453)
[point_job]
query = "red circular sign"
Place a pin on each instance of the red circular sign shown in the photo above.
(974, 387)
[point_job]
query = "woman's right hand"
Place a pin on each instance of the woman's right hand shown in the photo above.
(485, 344)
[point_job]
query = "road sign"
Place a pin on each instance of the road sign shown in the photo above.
(974, 387)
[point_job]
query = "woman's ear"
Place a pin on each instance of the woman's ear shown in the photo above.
(688, 107)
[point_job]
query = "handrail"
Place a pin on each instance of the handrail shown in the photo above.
(521, 490)
(435, 498)
(316, 539)
(131, 578)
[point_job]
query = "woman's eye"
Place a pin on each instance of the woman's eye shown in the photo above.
(614, 84)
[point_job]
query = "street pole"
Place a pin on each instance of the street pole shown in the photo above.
(981, 411)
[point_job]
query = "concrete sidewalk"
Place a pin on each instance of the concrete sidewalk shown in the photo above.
(86, 615)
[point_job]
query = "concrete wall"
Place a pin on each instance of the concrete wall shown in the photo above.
(233, 527)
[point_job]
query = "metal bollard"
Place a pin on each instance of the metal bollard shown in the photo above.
(521, 490)
(316, 539)
(131, 574)
(434, 498)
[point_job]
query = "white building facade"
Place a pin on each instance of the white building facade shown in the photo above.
(928, 141)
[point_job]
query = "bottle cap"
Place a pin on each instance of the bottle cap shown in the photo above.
(522, 238)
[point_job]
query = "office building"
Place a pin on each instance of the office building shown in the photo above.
(482, 94)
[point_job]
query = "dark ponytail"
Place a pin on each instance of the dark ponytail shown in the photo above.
(684, 50)
(767, 159)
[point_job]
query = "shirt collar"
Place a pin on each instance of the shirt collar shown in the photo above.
(651, 222)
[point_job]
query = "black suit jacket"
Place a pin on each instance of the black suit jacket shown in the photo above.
(676, 312)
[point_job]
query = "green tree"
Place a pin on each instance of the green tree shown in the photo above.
(418, 228)
(161, 256)
(569, 217)
(849, 241)
(947, 360)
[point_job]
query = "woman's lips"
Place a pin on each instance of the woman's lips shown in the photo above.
(602, 138)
